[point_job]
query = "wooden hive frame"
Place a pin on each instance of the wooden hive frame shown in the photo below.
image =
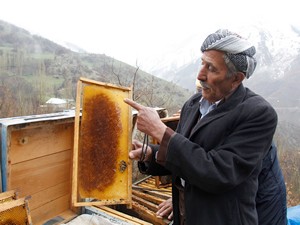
(8, 196)
(102, 171)
(12, 210)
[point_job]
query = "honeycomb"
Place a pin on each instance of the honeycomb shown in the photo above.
(103, 144)
(100, 129)
(14, 213)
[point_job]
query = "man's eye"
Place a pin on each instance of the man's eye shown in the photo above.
(211, 68)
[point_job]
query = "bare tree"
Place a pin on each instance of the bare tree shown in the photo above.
(134, 80)
(117, 75)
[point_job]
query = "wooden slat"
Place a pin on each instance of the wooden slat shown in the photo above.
(147, 197)
(164, 195)
(148, 215)
(89, 81)
(150, 181)
(76, 145)
(39, 174)
(154, 188)
(67, 215)
(146, 185)
(160, 194)
(8, 205)
(8, 195)
(101, 202)
(149, 205)
(47, 195)
(27, 144)
(50, 210)
(123, 216)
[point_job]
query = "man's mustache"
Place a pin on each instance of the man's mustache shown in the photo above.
(204, 84)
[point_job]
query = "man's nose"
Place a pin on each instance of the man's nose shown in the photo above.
(202, 74)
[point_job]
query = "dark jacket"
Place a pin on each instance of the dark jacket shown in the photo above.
(271, 196)
(219, 158)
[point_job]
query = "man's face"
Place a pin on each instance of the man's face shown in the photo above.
(212, 76)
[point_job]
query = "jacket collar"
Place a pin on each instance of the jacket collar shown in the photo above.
(223, 108)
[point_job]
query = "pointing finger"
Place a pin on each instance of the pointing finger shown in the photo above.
(133, 104)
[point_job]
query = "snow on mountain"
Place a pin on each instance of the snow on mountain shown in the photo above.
(280, 42)
(277, 45)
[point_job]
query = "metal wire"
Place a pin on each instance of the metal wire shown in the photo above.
(144, 148)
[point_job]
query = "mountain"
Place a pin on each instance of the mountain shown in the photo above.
(34, 69)
(277, 49)
(276, 76)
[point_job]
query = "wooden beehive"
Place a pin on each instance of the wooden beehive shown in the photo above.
(36, 161)
(102, 169)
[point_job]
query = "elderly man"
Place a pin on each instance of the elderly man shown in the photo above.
(224, 132)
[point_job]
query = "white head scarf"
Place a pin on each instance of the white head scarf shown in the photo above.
(239, 50)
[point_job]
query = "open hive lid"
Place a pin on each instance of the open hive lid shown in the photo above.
(102, 170)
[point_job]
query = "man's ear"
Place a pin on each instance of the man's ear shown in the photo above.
(237, 79)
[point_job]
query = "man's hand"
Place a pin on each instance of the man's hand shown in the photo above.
(136, 151)
(148, 120)
(165, 209)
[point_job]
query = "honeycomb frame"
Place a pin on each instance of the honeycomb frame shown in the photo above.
(15, 212)
(102, 170)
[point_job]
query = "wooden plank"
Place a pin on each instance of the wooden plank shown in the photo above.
(39, 141)
(39, 174)
(150, 181)
(148, 197)
(122, 216)
(45, 196)
(67, 216)
(149, 205)
(147, 185)
(129, 148)
(7, 196)
(154, 188)
(8, 205)
(75, 196)
(109, 85)
(98, 202)
(46, 212)
(164, 194)
(147, 214)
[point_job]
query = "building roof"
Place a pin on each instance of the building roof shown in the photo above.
(56, 101)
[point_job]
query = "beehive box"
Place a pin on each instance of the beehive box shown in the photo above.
(36, 162)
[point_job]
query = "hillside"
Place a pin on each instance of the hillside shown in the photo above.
(34, 69)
